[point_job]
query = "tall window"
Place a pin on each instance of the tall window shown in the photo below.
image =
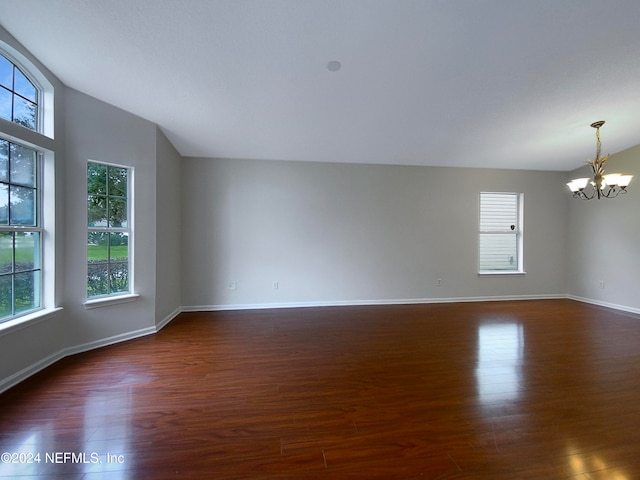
(27, 189)
(109, 234)
(501, 233)
(20, 230)
(18, 96)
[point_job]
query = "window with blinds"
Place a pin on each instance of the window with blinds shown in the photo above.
(500, 232)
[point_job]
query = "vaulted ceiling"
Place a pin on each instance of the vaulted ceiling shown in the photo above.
(478, 83)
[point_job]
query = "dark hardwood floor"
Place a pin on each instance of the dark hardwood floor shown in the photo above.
(494, 390)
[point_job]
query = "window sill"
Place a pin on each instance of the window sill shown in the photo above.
(489, 273)
(114, 300)
(28, 320)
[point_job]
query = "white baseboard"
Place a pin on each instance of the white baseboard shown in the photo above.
(599, 303)
(104, 342)
(165, 321)
(346, 303)
(16, 378)
(12, 380)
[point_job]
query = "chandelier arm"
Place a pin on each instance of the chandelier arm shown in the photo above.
(583, 196)
(612, 193)
(599, 183)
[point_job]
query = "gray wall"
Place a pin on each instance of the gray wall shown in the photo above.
(604, 241)
(327, 233)
(335, 233)
(88, 129)
(168, 231)
(100, 132)
(29, 347)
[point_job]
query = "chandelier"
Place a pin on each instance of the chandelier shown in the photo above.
(602, 186)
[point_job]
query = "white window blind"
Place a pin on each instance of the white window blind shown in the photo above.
(500, 232)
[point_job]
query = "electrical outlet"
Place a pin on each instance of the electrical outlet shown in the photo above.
(439, 281)
(602, 284)
(233, 285)
(274, 285)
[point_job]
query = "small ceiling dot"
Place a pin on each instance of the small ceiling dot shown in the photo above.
(334, 66)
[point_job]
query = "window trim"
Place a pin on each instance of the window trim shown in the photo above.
(42, 141)
(519, 237)
(39, 228)
(27, 320)
(129, 295)
(39, 127)
(46, 116)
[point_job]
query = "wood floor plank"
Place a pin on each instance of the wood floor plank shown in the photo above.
(489, 390)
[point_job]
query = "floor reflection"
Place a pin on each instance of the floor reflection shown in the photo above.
(22, 460)
(500, 358)
(581, 462)
(55, 446)
(107, 417)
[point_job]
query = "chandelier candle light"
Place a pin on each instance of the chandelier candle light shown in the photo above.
(603, 186)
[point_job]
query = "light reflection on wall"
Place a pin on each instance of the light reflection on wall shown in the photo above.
(500, 357)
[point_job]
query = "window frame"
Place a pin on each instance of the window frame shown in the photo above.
(122, 295)
(38, 227)
(42, 141)
(518, 231)
(40, 93)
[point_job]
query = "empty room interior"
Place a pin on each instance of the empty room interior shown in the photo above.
(319, 239)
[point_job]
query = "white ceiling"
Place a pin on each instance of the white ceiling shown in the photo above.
(482, 83)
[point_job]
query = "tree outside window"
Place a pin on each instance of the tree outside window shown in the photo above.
(108, 239)
(20, 232)
(18, 96)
